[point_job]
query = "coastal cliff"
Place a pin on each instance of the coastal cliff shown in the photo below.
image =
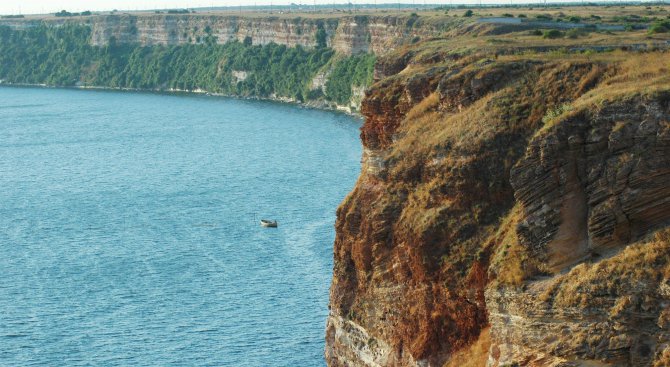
(512, 210)
(514, 198)
(347, 35)
(322, 62)
(62, 55)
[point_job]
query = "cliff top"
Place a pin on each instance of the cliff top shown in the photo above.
(605, 14)
(522, 33)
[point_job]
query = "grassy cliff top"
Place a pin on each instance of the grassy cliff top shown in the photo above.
(589, 14)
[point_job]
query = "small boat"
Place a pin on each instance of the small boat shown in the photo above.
(268, 223)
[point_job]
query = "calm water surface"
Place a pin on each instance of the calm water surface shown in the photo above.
(127, 232)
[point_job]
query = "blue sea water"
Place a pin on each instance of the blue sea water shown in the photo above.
(129, 233)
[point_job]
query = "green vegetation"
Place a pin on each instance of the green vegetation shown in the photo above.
(65, 13)
(353, 71)
(53, 56)
(412, 20)
(660, 27)
(632, 18)
(321, 36)
(555, 113)
(179, 11)
(63, 56)
(575, 33)
(552, 34)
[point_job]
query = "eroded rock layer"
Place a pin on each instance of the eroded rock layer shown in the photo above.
(613, 312)
(599, 180)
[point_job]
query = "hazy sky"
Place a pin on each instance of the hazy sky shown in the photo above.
(41, 6)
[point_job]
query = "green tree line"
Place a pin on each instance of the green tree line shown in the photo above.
(63, 56)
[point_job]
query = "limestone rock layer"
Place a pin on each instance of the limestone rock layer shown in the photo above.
(347, 35)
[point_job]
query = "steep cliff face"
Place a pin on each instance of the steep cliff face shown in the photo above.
(347, 35)
(182, 29)
(589, 186)
(486, 181)
(598, 180)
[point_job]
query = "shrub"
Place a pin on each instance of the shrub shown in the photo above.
(660, 27)
(552, 34)
(412, 20)
(468, 13)
(178, 11)
(576, 33)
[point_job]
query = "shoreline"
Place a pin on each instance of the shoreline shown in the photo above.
(317, 105)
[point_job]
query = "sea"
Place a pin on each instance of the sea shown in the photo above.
(130, 236)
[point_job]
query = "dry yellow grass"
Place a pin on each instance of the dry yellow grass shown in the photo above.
(605, 12)
(428, 129)
(512, 263)
(633, 74)
(476, 355)
(428, 104)
(664, 359)
(640, 265)
(646, 70)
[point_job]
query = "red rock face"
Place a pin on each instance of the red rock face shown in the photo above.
(417, 236)
(386, 105)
